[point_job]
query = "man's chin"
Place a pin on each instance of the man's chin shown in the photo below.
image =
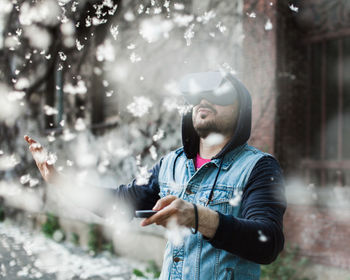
(204, 131)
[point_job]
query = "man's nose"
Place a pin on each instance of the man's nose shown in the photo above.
(204, 101)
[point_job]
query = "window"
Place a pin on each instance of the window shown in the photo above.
(327, 158)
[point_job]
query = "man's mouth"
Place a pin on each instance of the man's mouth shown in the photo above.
(206, 110)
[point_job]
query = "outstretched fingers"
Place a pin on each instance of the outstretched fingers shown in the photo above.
(29, 140)
(159, 218)
(163, 202)
(34, 146)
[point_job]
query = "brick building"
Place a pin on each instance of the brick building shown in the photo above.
(298, 56)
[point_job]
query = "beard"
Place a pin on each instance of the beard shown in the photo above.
(206, 128)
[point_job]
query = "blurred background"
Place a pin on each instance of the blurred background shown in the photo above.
(94, 81)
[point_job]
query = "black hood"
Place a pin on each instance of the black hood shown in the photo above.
(190, 138)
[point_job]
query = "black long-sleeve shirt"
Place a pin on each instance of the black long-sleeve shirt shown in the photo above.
(258, 235)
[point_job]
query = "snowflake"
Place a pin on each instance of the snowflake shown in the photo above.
(251, 15)
(166, 4)
(183, 20)
(268, 25)
(88, 21)
(114, 31)
(68, 28)
(262, 237)
(22, 83)
(62, 56)
(24, 179)
(179, 6)
(176, 233)
(294, 8)
(109, 93)
(51, 159)
(33, 182)
(6, 6)
(74, 6)
(155, 28)
(19, 31)
(79, 45)
(97, 21)
(153, 152)
(140, 106)
(129, 16)
(140, 9)
(80, 88)
(49, 111)
(222, 28)
(206, 17)
(67, 135)
(189, 34)
(80, 124)
(214, 139)
(105, 52)
(111, 12)
(51, 138)
(157, 10)
(134, 57)
(173, 88)
(107, 3)
(143, 176)
(237, 199)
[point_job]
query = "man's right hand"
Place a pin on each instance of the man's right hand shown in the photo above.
(48, 171)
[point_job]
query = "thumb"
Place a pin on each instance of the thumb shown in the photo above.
(163, 202)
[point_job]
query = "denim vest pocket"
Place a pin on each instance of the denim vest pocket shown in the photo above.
(219, 201)
(169, 189)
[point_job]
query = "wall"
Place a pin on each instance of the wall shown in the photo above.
(259, 54)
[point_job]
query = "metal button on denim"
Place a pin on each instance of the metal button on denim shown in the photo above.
(189, 192)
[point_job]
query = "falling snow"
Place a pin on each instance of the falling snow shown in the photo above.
(79, 45)
(294, 8)
(262, 237)
(189, 34)
(140, 106)
(143, 175)
(105, 52)
(214, 139)
(159, 135)
(154, 29)
(237, 198)
(114, 31)
(268, 25)
(175, 233)
(222, 28)
(251, 15)
(50, 110)
(134, 57)
(79, 88)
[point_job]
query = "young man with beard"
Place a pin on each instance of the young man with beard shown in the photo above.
(230, 194)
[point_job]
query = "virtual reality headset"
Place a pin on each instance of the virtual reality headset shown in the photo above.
(212, 86)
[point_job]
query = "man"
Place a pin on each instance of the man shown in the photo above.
(230, 194)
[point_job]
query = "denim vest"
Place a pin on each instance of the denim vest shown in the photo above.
(196, 258)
